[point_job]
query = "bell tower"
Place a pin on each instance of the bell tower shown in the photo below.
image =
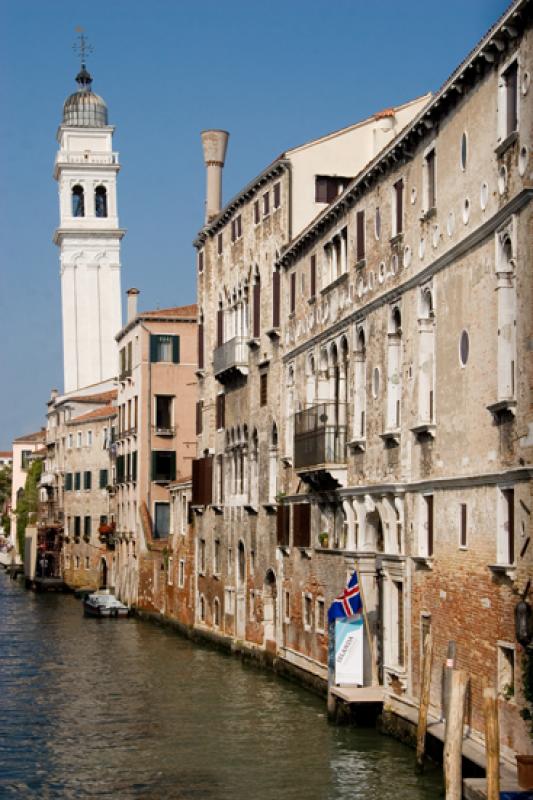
(88, 236)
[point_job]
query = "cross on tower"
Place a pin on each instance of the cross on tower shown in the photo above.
(82, 46)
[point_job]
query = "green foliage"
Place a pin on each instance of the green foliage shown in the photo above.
(527, 679)
(27, 503)
(5, 493)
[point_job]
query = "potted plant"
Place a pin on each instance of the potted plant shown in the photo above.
(323, 538)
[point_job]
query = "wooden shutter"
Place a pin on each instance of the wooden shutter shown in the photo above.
(398, 186)
(509, 499)
(134, 465)
(430, 543)
(257, 308)
(195, 481)
(293, 292)
(208, 479)
(263, 389)
(301, 525)
(282, 525)
(257, 215)
(199, 417)
(154, 348)
(360, 220)
(201, 345)
(312, 280)
(275, 298)
(172, 466)
(221, 411)
(176, 349)
(220, 327)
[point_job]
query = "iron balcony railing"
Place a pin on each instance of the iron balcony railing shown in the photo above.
(231, 355)
(320, 435)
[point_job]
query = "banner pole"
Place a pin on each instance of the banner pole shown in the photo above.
(375, 678)
(332, 704)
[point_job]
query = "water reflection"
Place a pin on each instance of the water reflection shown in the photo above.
(123, 709)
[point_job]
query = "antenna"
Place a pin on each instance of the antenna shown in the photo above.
(81, 47)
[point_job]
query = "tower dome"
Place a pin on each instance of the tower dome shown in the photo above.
(84, 108)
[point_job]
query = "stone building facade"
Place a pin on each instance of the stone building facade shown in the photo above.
(155, 442)
(379, 416)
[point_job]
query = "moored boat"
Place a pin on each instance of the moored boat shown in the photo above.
(104, 605)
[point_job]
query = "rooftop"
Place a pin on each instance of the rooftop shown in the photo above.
(38, 436)
(102, 397)
(98, 413)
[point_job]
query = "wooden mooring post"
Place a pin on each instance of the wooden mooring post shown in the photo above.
(424, 702)
(492, 742)
(453, 745)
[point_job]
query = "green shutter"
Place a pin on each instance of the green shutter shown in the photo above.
(176, 349)
(154, 348)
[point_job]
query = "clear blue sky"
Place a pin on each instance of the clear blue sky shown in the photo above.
(274, 74)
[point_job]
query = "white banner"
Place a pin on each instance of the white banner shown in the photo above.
(349, 651)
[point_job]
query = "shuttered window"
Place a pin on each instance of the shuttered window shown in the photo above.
(68, 481)
(220, 327)
(508, 495)
(77, 527)
(430, 530)
(263, 388)
(282, 525)
(77, 481)
(257, 213)
(120, 469)
(199, 417)
(219, 244)
(87, 480)
(200, 345)
(163, 465)
(292, 292)
(201, 261)
(202, 481)
(301, 525)
(277, 195)
(221, 411)
(360, 225)
(134, 465)
(103, 479)
(275, 298)
(257, 308)
(398, 197)
(312, 277)
(164, 348)
(463, 539)
(510, 77)
(87, 527)
(266, 204)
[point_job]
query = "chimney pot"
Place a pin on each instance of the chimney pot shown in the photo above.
(214, 143)
(132, 303)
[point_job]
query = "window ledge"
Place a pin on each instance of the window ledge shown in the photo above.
(217, 508)
(198, 509)
(200, 373)
(274, 332)
(509, 570)
(284, 548)
(423, 562)
(286, 461)
(312, 300)
(270, 508)
(391, 436)
(425, 429)
(507, 142)
(502, 407)
(361, 264)
(357, 444)
(340, 279)
(253, 342)
(428, 214)
(216, 576)
(396, 239)
(250, 508)
(306, 552)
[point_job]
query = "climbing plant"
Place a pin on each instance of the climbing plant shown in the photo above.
(527, 682)
(27, 503)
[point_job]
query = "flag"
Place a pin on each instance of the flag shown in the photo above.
(348, 603)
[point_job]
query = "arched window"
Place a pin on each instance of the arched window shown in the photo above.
(100, 201)
(78, 202)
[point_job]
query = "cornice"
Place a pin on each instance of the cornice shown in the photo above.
(86, 233)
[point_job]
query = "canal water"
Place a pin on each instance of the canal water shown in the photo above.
(125, 709)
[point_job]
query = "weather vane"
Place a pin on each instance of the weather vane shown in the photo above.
(82, 47)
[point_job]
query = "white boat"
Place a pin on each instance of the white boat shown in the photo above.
(104, 605)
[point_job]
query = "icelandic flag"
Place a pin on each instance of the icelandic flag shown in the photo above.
(348, 603)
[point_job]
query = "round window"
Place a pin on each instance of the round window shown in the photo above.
(464, 347)
(464, 151)
(375, 382)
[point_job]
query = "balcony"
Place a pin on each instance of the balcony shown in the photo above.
(230, 360)
(320, 445)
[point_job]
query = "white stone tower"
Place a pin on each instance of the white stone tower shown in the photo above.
(89, 238)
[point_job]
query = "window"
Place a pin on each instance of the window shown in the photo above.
(68, 481)
(430, 174)
(78, 202)
(327, 187)
(397, 208)
(266, 204)
(134, 465)
(257, 307)
(216, 557)
(263, 388)
(77, 527)
(87, 480)
(301, 525)
(220, 411)
(277, 195)
(464, 347)
(320, 620)
(377, 223)
(216, 612)
(236, 228)
(312, 277)
(275, 298)
(506, 538)
(79, 439)
(202, 608)
(161, 520)
(201, 556)
(360, 226)
(400, 614)
(199, 417)
(257, 213)
(87, 527)
(287, 606)
(164, 348)
(464, 525)
(87, 562)
(509, 101)
(163, 465)
(308, 611)
(163, 412)
(104, 478)
(77, 481)
(292, 296)
(220, 244)
(70, 441)
(170, 569)
(506, 670)
(100, 201)
(201, 261)
(464, 151)
(428, 545)
(251, 605)
(181, 574)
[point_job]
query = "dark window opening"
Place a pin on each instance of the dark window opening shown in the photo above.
(510, 77)
(163, 465)
(163, 412)
(100, 201)
(328, 187)
(78, 202)
(263, 388)
(161, 520)
(360, 226)
(277, 195)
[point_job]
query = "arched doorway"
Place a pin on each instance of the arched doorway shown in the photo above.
(375, 543)
(241, 591)
(103, 573)
(269, 610)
